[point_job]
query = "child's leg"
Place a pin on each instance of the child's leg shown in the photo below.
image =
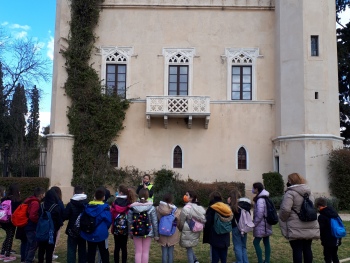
(244, 249)
(327, 253)
(146, 244)
(42, 250)
(103, 251)
(307, 252)
(50, 248)
(170, 254)
(237, 244)
(57, 239)
(258, 250)
(165, 254)
(91, 251)
(32, 245)
(124, 248)
(23, 251)
(138, 249)
(71, 249)
(7, 245)
(266, 241)
(82, 253)
(117, 246)
(190, 255)
(335, 255)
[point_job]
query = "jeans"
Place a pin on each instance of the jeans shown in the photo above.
(32, 245)
(120, 243)
(72, 244)
(101, 247)
(239, 246)
(302, 247)
(23, 251)
(167, 254)
(330, 254)
(46, 248)
(191, 257)
(219, 253)
(258, 250)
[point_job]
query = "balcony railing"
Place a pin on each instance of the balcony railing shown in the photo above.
(177, 107)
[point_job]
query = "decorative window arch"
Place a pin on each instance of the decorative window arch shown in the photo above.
(242, 158)
(114, 155)
(177, 154)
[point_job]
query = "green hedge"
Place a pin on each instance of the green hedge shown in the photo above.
(273, 183)
(27, 184)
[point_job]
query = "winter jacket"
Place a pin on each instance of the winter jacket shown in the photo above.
(262, 228)
(14, 206)
(32, 212)
(165, 209)
(324, 220)
(102, 213)
(73, 209)
(210, 236)
(151, 213)
(292, 227)
(150, 191)
(56, 214)
(189, 238)
(120, 205)
(245, 204)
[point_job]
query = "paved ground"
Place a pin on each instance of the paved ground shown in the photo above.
(345, 217)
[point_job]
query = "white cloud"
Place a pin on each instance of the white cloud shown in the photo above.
(5, 23)
(49, 31)
(344, 17)
(44, 118)
(22, 34)
(25, 27)
(40, 45)
(35, 39)
(50, 46)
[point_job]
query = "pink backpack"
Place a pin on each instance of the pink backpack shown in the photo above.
(194, 225)
(245, 224)
(5, 211)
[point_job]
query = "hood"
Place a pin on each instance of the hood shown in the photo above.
(245, 203)
(31, 199)
(302, 189)
(121, 201)
(165, 208)
(264, 193)
(94, 209)
(50, 198)
(222, 209)
(141, 207)
(79, 197)
(329, 212)
(79, 203)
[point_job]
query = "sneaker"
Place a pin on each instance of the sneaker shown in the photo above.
(8, 259)
(2, 257)
(54, 257)
(13, 251)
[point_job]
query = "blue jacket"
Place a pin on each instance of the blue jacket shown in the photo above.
(103, 218)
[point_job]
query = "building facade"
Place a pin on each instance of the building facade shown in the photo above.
(221, 89)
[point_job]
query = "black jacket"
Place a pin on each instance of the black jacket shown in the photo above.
(56, 214)
(324, 219)
(209, 234)
(73, 209)
(149, 191)
(14, 206)
(243, 204)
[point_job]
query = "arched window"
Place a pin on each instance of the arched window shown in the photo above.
(114, 156)
(177, 157)
(242, 158)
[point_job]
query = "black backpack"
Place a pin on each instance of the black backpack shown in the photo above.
(88, 222)
(141, 224)
(272, 217)
(307, 210)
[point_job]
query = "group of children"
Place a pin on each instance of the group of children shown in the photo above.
(141, 221)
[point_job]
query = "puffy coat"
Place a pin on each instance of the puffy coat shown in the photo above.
(73, 209)
(120, 205)
(245, 204)
(165, 209)
(292, 227)
(189, 238)
(262, 228)
(33, 208)
(324, 219)
(151, 213)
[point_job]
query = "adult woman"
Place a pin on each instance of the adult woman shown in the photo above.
(299, 234)
(146, 184)
(191, 210)
(262, 229)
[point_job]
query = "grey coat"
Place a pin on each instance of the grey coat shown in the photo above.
(262, 228)
(151, 213)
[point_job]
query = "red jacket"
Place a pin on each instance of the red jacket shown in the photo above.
(33, 208)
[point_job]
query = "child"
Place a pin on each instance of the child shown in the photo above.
(102, 214)
(142, 235)
(74, 208)
(33, 218)
(188, 238)
(329, 242)
(61, 205)
(165, 208)
(2, 191)
(119, 210)
(50, 204)
(13, 195)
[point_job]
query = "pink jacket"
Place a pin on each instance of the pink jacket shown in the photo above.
(116, 210)
(262, 228)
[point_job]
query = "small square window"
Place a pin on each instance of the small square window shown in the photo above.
(314, 46)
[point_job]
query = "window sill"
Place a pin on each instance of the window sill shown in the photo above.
(242, 170)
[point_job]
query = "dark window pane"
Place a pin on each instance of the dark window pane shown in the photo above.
(113, 156)
(177, 161)
(241, 82)
(173, 70)
(121, 68)
(183, 70)
(236, 95)
(178, 79)
(173, 78)
(121, 77)
(314, 46)
(110, 68)
(242, 158)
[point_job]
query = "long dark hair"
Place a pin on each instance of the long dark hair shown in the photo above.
(234, 195)
(193, 195)
(13, 193)
(128, 192)
(260, 187)
(58, 191)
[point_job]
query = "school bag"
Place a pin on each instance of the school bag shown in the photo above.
(45, 227)
(337, 227)
(307, 210)
(221, 227)
(75, 231)
(5, 211)
(141, 226)
(120, 226)
(245, 224)
(20, 217)
(167, 224)
(194, 225)
(271, 214)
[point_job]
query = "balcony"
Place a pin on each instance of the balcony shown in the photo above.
(178, 107)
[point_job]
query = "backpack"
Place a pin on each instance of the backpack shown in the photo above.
(75, 231)
(88, 223)
(307, 210)
(5, 211)
(141, 225)
(45, 227)
(194, 225)
(120, 226)
(337, 227)
(167, 224)
(220, 226)
(20, 217)
(271, 218)
(245, 224)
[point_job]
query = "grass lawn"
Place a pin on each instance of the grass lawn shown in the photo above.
(281, 250)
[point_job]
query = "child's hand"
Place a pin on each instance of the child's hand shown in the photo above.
(156, 238)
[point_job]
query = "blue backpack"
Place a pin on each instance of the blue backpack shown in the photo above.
(45, 228)
(167, 224)
(338, 229)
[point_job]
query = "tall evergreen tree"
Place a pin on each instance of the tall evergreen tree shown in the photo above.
(33, 120)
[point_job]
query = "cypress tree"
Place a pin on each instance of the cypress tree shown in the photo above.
(33, 120)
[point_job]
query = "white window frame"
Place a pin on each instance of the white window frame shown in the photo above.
(172, 157)
(109, 153)
(124, 52)
(242, 57)
(186, 53)
(247, 157)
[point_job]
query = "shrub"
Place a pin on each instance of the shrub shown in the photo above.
(339, 175)
(27, 184)
(331, 201)
(274, 184)
(277, 200)
(162, 178)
